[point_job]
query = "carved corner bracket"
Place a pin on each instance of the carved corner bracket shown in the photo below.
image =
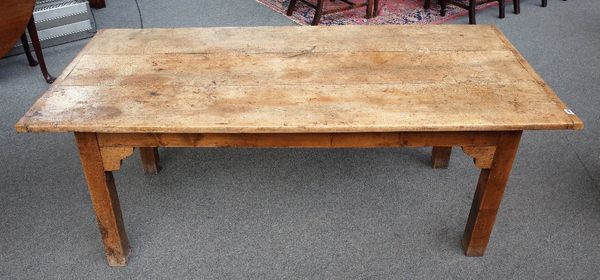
(482, 155)
(113, 156)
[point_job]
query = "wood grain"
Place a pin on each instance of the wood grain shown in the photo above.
(440, 157)
(488, 195)
(296, 40)
(299, 80)
(113, 156)
(103, 193)
(482, 155)
(298, 140)
(150, 160)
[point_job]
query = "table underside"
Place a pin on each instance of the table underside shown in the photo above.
(102, 153)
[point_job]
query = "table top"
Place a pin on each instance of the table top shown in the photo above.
(299, 80)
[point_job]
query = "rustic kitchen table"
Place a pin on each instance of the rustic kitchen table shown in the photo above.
(301, 87)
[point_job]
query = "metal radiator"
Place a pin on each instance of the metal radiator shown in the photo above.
(61, 21)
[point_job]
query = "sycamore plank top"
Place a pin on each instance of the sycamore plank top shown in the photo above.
(299, 80)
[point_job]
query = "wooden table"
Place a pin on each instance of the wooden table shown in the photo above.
(304, 87)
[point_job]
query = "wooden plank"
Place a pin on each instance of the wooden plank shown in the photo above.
(298, 39)
(150, 160)
(577, 122)
(104, 197)
(488, 195)
(299, 140)
(295, 109)
(218, 70)
(440, 157)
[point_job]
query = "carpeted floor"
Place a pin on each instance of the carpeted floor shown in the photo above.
(310, 214)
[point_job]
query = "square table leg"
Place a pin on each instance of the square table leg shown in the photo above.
(104, 198)
(150, 160)
(440, 157)
(488, 195)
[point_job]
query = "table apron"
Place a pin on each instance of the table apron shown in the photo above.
(300, 140)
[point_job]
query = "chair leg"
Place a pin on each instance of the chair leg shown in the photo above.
(517, 6)
(472, 6)
(376, 9)
(35, 40)
(291, 7)
(25, 44)
(544, 3)
(427, 4)
(318, 13)
(443, 7)
(369, 9)
(502, 6)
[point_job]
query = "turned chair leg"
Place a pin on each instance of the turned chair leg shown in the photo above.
(35, 40)
(443, 7)
(427, 4)
(25, 44)
(318, 13)
(472, 6)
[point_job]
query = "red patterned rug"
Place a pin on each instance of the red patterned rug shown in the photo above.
(390, 12)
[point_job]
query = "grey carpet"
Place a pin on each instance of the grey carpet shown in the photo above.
(310, 214)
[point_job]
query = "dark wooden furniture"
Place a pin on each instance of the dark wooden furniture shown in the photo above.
(97, 4)
(279, 87)
(371, 5)
(17, 15)
(469, 5)
(517, 5)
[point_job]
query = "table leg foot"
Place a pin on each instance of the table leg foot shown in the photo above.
(150, 160)
(488, 195)
(440, 157)
(105, 201)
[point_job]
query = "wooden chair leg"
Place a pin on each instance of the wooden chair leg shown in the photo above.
(376, 9)
(318, 13)
(291, 7)
(488, 195)
(427, 4)
(25, 44)
(104, 197)
(369, 9)
(443, 7)
(544, 3)
(502, 6)
(440, 157)
(150, 160)
(35, 40)
(516, 7)
(472, 6)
